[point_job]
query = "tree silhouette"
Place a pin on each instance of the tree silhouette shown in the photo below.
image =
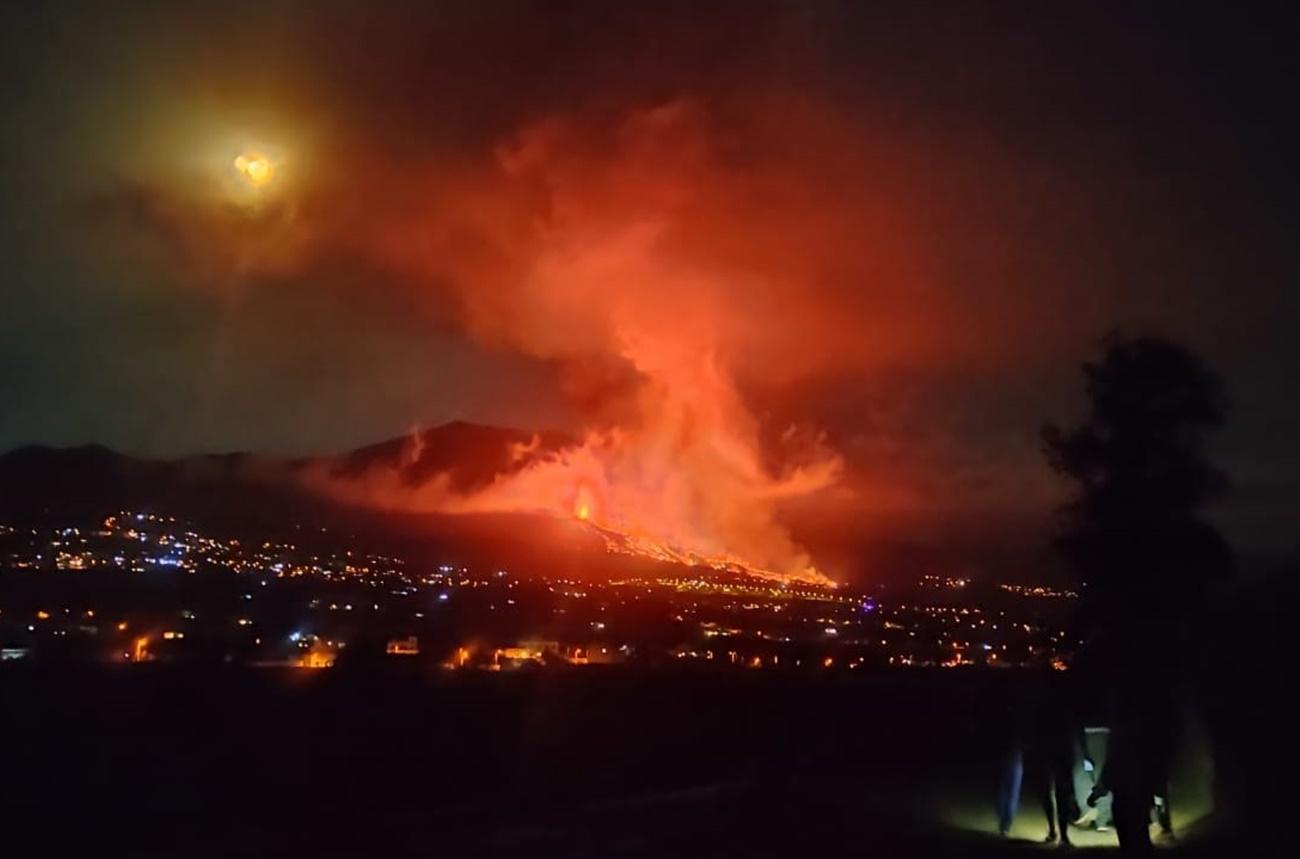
(1133, 532)
(1134, 535)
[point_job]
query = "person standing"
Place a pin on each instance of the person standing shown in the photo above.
(1012, 778)
(1056, 747)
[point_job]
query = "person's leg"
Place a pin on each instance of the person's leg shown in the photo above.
(1105, 813)
(1004, 802)
(1064, 806)
(1163, 815)
(1049, 807)
(1131, 816)
(1067, 806)
(1009, 790)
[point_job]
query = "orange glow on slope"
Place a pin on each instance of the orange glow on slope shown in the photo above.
(582, 506)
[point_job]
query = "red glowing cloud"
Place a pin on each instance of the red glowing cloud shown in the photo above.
(586, 251)
(683, 271)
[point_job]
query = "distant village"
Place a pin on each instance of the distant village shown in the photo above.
(145, 588)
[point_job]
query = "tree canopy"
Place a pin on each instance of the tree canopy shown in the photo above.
(1133, 531)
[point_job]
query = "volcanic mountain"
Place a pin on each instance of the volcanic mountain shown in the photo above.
(251, 494)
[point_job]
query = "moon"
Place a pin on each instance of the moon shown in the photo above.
(256, 169)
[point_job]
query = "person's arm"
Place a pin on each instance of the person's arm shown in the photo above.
(1081, 740)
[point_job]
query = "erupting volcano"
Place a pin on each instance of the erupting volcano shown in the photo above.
(632, 260)
(686, 483)
(683, 481)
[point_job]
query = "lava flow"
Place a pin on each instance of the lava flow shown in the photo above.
(624, 544)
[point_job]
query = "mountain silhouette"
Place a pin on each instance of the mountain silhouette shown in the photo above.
(250, 492)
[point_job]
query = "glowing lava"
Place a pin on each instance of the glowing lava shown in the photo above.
(644, 547)
(582, 506)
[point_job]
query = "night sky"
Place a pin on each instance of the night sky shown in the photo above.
(894, 231)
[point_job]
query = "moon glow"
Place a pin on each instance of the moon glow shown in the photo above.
(256, 169)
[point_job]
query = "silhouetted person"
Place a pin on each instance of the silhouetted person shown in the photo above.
(1163, 813)
(1166, 734)
(1129, 774)
(1097, 813)
(1012, 725)
(1011, 780)
(1056, 747)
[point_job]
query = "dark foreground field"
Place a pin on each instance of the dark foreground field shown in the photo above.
(168, 761)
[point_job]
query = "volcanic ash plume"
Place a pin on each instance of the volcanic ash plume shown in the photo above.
(618, 251)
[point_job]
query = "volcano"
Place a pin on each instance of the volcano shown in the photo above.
(250, 493)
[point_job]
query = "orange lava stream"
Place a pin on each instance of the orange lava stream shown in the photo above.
(617, 543)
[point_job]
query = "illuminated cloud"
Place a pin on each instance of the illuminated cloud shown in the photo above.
(827, 271)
